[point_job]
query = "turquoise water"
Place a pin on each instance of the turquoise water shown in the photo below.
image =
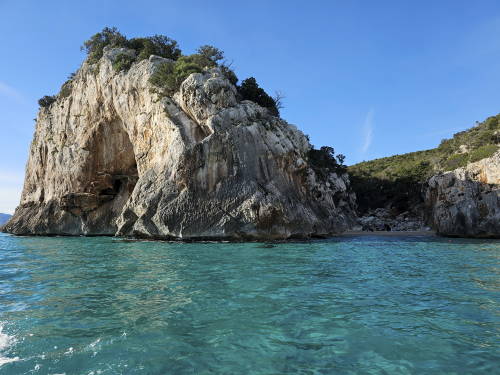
(352, 305)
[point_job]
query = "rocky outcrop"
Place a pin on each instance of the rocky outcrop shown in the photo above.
(466, 202)
(382, 219)
(115, 157)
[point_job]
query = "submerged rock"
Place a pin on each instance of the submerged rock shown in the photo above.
(115, 157)
(465, 202)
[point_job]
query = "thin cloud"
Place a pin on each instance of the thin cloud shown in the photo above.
(367, 131)
(10, 92)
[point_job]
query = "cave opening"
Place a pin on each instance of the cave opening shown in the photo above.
(111, 168)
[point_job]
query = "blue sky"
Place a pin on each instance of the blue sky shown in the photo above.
(370, 78)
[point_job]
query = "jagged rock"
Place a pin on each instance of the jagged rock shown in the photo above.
(114, 157)
(465, 202)
(383, 219)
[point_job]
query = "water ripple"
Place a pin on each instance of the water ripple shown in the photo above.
(353, 305)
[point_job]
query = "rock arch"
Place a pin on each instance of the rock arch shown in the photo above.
(108, 177)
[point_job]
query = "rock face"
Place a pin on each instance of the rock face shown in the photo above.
(466, 202)
(114, 157)
(382, 219)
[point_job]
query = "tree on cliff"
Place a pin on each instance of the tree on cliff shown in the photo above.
(107, 37)
(250, 90)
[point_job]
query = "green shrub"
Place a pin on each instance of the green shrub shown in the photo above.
(66, 89)
(164, 78)
(211, 53)
(159, 45)
(123, 62)
(324, 161)
(229, 74)
(456, 161)
(107, 37)
(46, 101)
(250, 90)
(484, 137)
(169, 76)
(482, 152)
(492, 123)
(186, 65)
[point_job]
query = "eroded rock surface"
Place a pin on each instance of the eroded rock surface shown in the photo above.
(382, 219)
(466, 202)
(113, 157)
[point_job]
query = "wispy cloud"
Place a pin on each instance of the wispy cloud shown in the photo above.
(367, 131)
(10, 92)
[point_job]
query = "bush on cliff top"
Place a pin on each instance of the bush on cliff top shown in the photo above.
(169, 76)
(159, 45)
(250, 90)
(46, 101)
(107, 37)
(123, 62)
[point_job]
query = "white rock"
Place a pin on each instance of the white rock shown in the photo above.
(115, 158)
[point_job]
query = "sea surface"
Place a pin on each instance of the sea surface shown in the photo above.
(349, 305)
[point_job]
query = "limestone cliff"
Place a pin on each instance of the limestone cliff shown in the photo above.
(112, 156)
(465, 202)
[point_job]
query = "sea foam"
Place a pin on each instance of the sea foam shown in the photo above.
(5, 342)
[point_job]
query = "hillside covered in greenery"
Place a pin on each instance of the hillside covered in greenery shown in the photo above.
(396, 181)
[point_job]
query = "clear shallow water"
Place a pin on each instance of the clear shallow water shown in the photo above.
(354, 305)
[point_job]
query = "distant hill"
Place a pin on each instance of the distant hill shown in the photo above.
(396, 180)
(4, 218)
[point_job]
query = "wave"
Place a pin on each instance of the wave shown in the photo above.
(5, 342)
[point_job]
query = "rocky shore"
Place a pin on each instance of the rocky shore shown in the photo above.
(145, 142)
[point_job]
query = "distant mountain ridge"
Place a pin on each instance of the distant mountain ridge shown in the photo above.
(4, 218)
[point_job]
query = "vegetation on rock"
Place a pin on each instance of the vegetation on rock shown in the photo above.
(397, 180)
(123, 62)
(158, 45)
(250, 90)
(46, 101)
(324, 161)
(107, 37)
(169, 75)
(65, 89)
